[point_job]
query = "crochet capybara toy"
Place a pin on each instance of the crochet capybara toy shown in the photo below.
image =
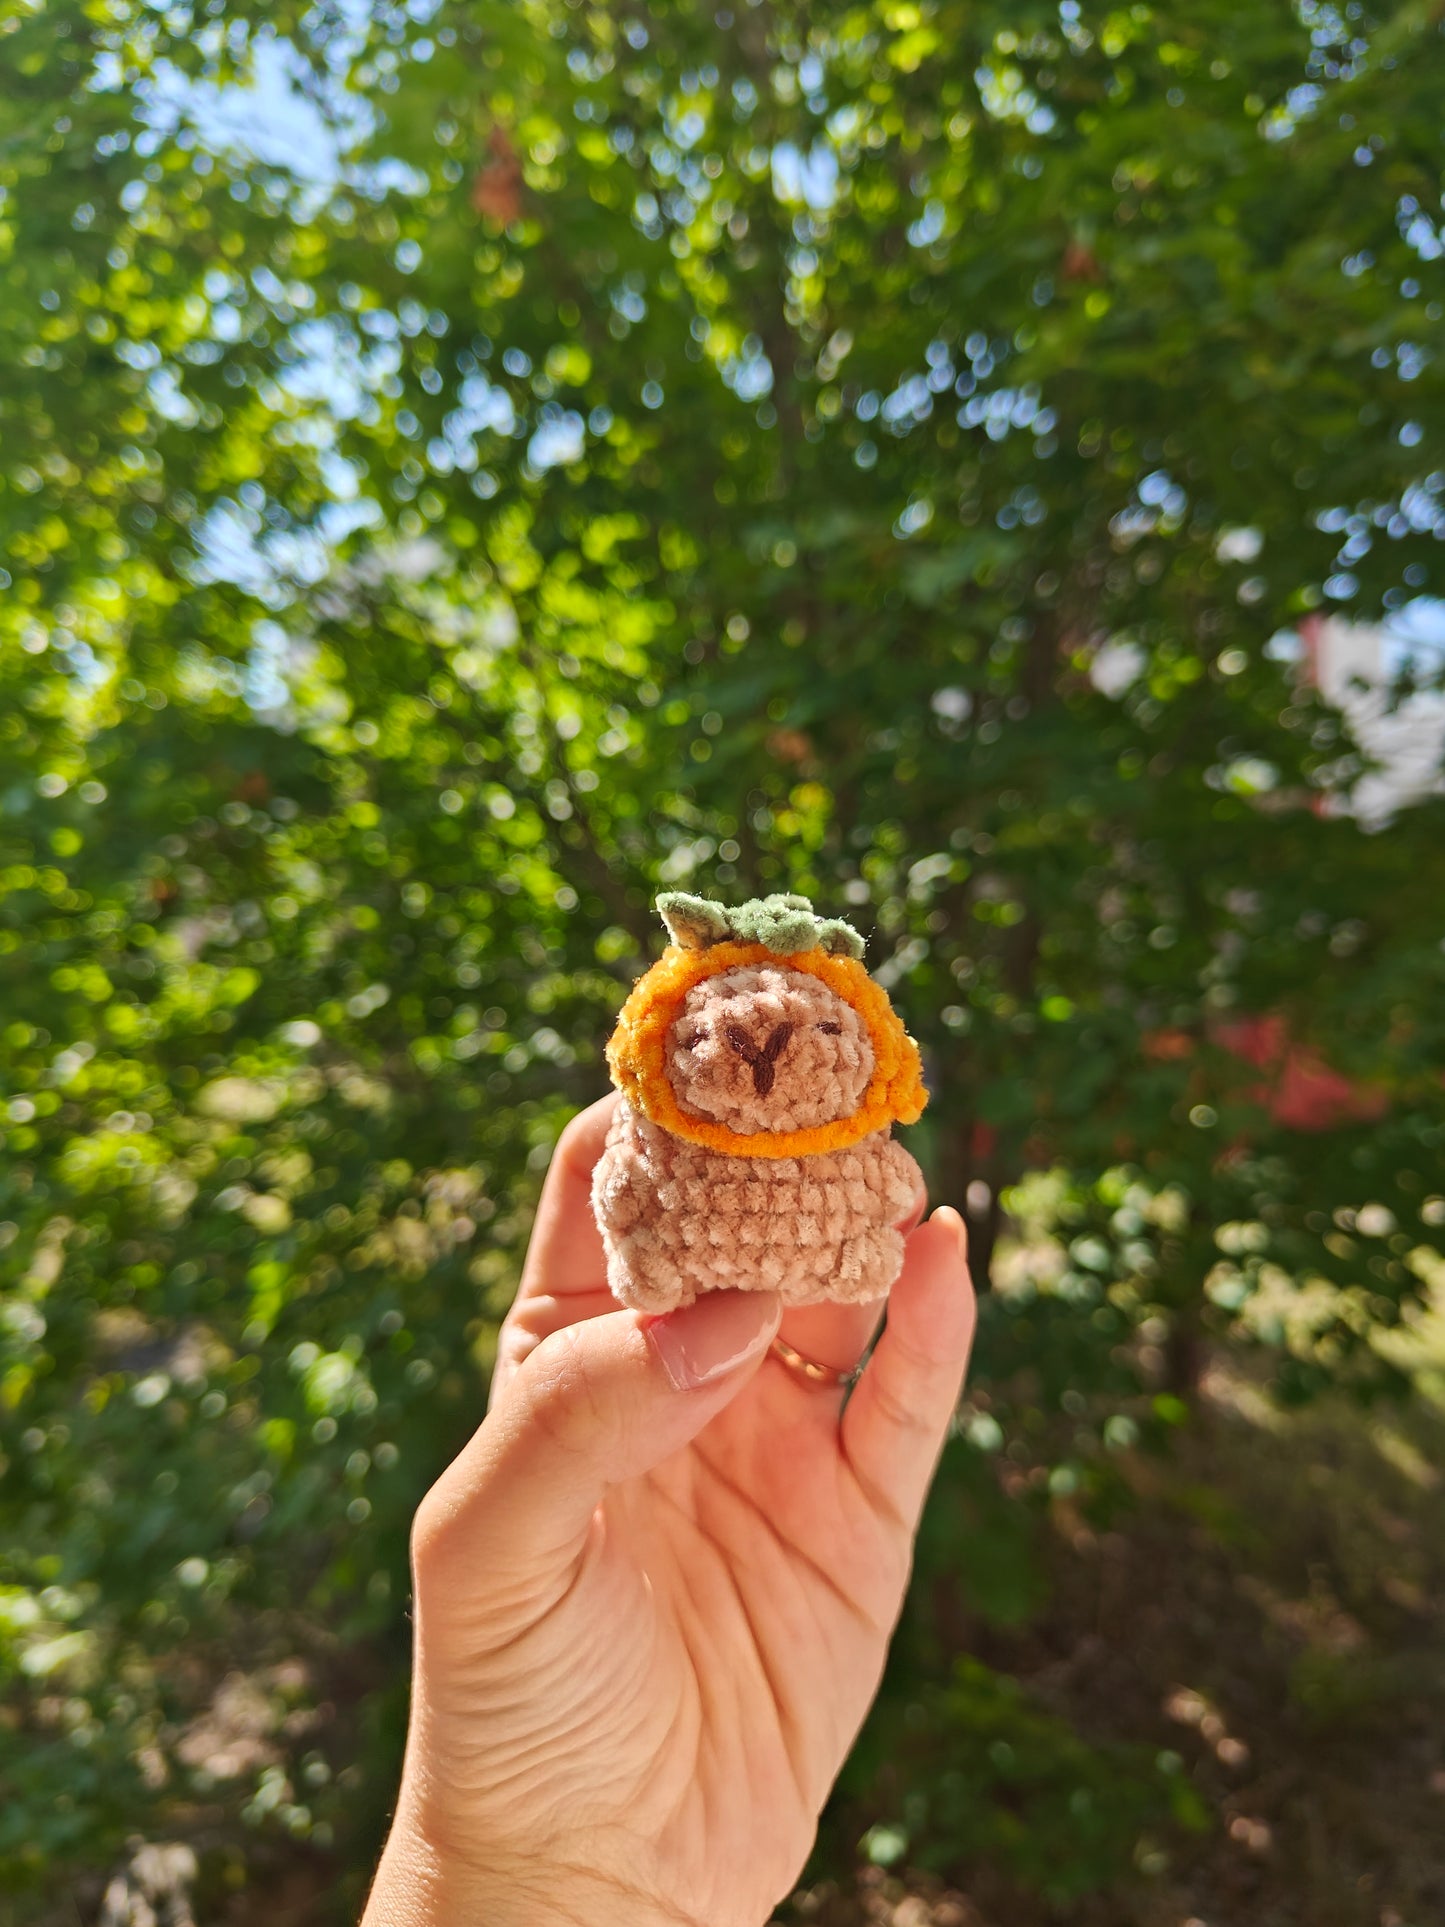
(761, 1071)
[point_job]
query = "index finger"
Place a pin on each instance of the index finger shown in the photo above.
(564, 1275)
(564, 1253)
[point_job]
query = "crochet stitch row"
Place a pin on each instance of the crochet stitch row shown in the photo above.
(637, 1052)
(676, 1219)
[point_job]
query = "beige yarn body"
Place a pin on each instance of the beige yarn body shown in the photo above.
(678, 1219)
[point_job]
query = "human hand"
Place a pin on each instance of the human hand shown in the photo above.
(654, 1594)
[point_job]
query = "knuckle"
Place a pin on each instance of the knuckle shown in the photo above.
(576, 1133)
(566, 1401)
(582, 1138)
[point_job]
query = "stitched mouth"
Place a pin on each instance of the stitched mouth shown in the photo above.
(764, 1062)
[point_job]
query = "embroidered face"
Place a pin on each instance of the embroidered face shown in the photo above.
(758, 1033)
(768, 1048)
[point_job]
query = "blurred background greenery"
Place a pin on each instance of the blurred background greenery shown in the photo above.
(464, 466)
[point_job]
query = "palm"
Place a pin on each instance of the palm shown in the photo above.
(716, 1654)
(701, 1657)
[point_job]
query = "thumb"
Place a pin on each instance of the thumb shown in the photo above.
(593, 1404)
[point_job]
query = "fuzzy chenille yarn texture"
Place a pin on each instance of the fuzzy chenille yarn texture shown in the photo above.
(762, 1071)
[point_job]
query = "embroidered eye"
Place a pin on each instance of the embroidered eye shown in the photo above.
(833, 1030)
(691, 1043)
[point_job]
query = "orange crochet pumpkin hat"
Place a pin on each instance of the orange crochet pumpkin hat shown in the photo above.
(707, 939)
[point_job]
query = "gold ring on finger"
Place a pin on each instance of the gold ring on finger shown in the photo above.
(810, 1369)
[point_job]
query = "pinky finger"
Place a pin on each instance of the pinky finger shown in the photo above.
(895, 1423)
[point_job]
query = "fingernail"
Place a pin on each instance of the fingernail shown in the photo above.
(951, 1221)
(707, 1340)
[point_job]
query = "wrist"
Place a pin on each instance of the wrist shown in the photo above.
(418, 1886)
(420, 1883)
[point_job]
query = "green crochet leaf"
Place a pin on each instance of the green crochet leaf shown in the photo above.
(783, 923)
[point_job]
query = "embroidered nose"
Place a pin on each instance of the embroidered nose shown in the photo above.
(764, 1062)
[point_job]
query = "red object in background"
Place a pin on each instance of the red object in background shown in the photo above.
(1302, 1092)
(1168, 1046)
(1080, 263)
(1311, 634)
(497, 188)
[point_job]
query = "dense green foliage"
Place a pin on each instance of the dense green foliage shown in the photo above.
(538, 453)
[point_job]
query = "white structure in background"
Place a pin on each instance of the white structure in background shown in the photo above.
(1353, 666)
